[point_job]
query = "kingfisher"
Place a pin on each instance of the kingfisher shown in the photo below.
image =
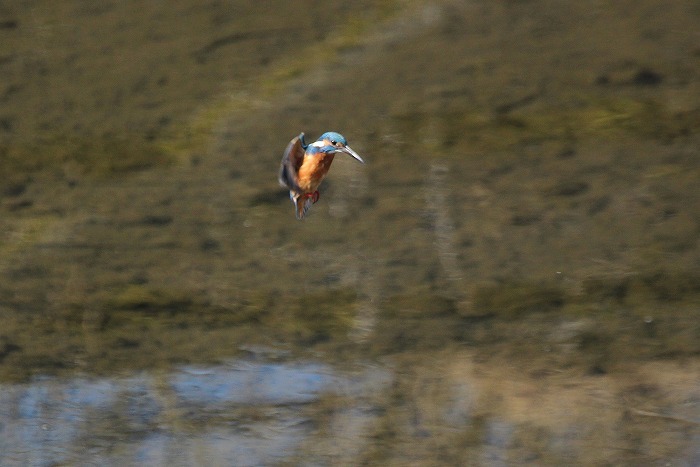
(304, 166)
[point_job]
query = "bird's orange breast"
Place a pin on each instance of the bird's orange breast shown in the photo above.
(312, 171)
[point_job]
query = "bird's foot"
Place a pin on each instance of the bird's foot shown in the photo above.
(314, 196)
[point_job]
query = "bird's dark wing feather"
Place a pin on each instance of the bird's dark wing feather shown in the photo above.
(291, 161)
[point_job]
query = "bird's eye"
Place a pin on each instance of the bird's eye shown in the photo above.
(334, 142)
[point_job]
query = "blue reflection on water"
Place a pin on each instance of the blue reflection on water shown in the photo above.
(270, 383)
(188, 416)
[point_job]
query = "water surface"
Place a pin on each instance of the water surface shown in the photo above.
(512, 278)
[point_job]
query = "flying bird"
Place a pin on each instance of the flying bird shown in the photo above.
(304, 166)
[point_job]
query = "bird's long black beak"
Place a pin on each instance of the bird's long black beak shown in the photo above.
(348, 150)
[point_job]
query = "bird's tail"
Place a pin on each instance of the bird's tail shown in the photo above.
(301, 203)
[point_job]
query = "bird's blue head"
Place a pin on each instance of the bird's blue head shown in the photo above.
(332, 143)
(333, 137)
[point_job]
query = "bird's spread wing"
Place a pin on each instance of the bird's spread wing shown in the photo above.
(291, 161)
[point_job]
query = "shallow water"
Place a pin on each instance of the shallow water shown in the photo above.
(512, 278)
(256, 411)
(240, 413)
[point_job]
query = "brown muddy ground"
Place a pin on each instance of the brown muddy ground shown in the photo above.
(520, 253)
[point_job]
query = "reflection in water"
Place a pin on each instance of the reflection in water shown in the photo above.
(253, 412)
(246, 413)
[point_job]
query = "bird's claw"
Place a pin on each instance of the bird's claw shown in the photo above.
(314, 196)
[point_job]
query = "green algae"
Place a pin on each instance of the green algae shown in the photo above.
(516, 298)
(75, 157)
(594, 116)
